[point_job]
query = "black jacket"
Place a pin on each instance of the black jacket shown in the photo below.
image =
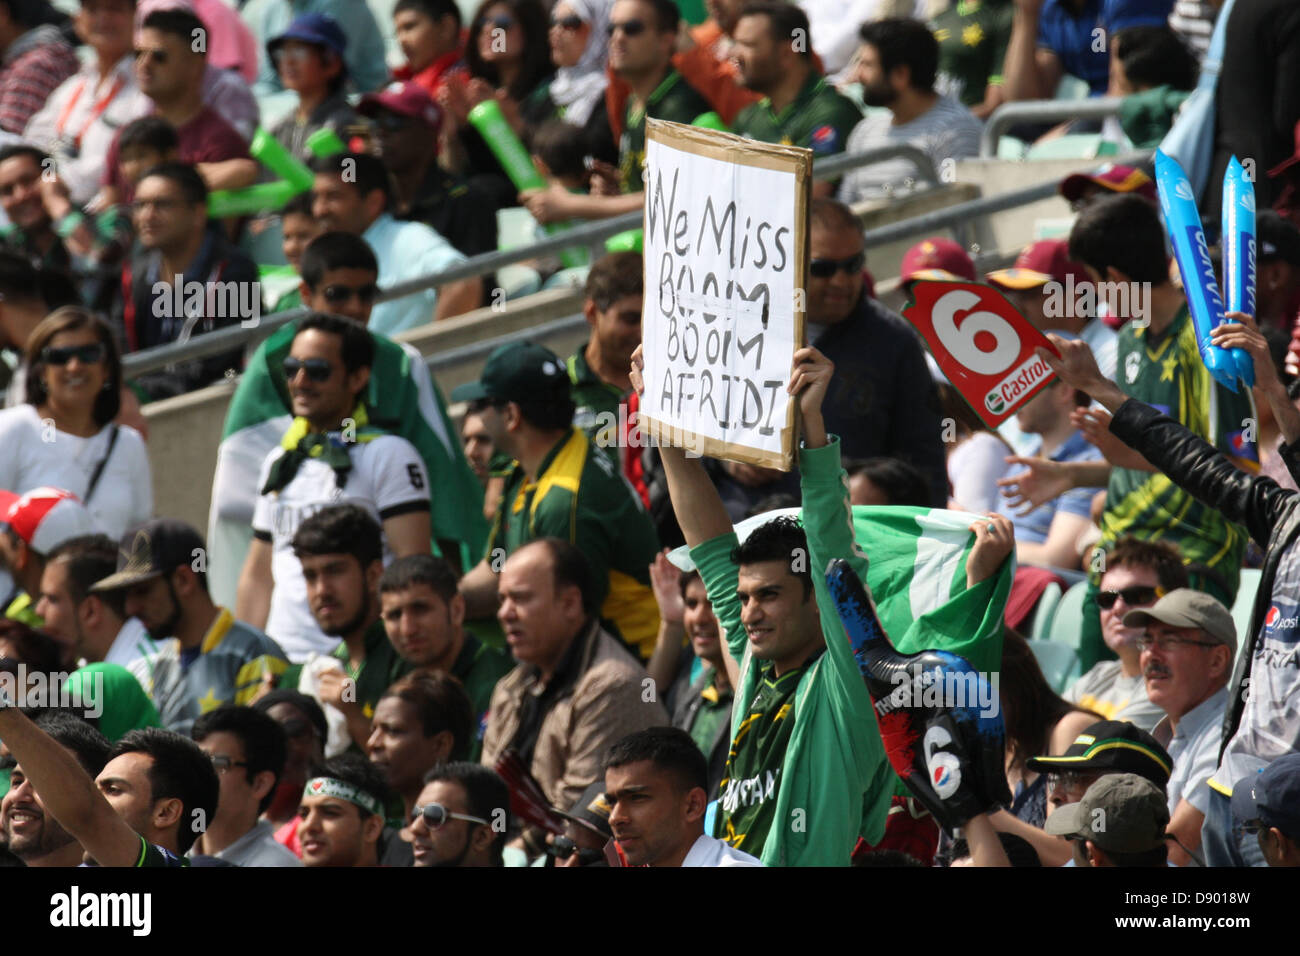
(1270, 513)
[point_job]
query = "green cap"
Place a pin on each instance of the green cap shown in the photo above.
(1121, 813)
(518, 372)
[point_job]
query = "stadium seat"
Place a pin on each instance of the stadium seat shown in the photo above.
(1011, 148)
(1244, 605)
(1060, 664)
(1041, 628)
(1067, 623)
(574, 278)
(519, 280)
(1072, 146)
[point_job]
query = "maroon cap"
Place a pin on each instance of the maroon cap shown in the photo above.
(1118, 179)
(1039, 263)
(406, 99)
(937, 258)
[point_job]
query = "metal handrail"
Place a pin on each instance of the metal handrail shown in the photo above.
(1042, 111)
(589, 233)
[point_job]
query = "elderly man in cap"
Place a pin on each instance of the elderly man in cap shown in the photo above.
(1120, 821)
(561, 486)
(214, 659)
(1187, 649)
(1106, 747)
(1268, 804)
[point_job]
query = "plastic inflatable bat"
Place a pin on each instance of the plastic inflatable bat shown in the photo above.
(1239, 252)
(948, 750)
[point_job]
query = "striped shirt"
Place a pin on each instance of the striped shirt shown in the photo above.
(1193, 20)
(947, 130)
(33, 65)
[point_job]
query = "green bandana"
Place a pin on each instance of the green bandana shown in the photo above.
(301, 443)
(333, 787)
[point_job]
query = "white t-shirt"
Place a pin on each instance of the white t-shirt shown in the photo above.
(34, 455)
(709, 851)
(974, 468)
(387, 479)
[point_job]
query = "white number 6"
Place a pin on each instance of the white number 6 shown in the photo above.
(960, 342)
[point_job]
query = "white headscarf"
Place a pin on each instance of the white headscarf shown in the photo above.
(578, 89)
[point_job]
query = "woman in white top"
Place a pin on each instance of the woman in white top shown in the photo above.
(63, 435)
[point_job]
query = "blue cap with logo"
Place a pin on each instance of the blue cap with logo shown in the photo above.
(1271, 796)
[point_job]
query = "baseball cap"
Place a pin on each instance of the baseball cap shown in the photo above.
(151, 550)
(1183, 607)
(1119, 179)
(1121, 813)
(406, 99)
(1041, 262)
(1111, 746)
(45, 517)
(517, 372)
(1271, 796)
(591, 810)
(1278, 238)
(936, 258)
(318, 29)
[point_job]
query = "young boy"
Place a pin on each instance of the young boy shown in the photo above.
(298, 228)
(309, 59)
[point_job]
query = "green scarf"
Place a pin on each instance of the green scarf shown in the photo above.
(301, 443)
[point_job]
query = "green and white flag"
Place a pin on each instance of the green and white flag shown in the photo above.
(401, 399)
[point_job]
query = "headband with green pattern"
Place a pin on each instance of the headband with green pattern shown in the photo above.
(333, 787)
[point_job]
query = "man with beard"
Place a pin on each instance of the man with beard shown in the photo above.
(341, 552)
(460, 817)
(798, 108)
(897, 63)
(33, 835)
(213, 659)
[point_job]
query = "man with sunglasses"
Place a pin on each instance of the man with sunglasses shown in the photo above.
(1138, 573)
(460, 817)
(1267, 804)
(882, 401)
(330, 454)
(1188, 646)
(248, 752)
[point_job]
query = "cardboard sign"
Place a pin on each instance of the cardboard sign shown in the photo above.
(984, 346)
(726, 259)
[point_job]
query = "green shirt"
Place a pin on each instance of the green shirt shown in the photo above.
(582, 498)
(674, 99)
(820, 118)
(1167, 373)
(973, 37)
(713, 712)
(380, 667)
(597, 404)
(834, 780)
(479, 667)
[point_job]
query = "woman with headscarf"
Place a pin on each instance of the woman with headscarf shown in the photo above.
(579, 48)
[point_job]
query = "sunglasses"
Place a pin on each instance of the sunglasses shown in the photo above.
(338, 294)
(571, 23)
(435, 815)
(630, 28)
(563, 847)
(1136, 596)
(158, 56)
(85, 354)
(221, 763)
(501, 21)
(825, 268)
(318, 370)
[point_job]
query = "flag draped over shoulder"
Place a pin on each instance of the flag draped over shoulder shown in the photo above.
(401, 399)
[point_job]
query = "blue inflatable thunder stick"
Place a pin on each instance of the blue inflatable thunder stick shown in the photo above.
(1239, 253)
(1193, 254)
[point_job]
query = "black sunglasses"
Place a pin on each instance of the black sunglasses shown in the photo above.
(629, 27)
(336, 294)
(1135, 596)
(435, 815)
(571, 23)
(85, 354)
(318, 370)
(158, 56)
(563, 847)
(825, 268)
(502, 21)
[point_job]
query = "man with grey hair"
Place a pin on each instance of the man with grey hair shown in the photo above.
(1187, 650)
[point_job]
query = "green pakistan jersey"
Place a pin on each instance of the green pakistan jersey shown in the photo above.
(820, 118)
(597, 403)
(747, 794)
(674, 99)
(973, 37)
(1166, 372)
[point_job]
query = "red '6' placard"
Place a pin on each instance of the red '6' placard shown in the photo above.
(984, 346)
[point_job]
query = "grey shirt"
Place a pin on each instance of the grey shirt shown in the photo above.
(1106, 690)
(259, 847)
(1194, 748)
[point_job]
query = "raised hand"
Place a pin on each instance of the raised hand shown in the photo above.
(1043, 481)
(1241, 332)
(665, 582)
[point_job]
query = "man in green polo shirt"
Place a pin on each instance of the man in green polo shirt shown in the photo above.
(599, 370)
(799, 108)
(561, 487)
(424, 616)
(342, 555)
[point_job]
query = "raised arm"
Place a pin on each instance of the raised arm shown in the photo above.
(67, 791)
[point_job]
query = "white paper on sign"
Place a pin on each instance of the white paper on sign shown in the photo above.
(718, 323)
